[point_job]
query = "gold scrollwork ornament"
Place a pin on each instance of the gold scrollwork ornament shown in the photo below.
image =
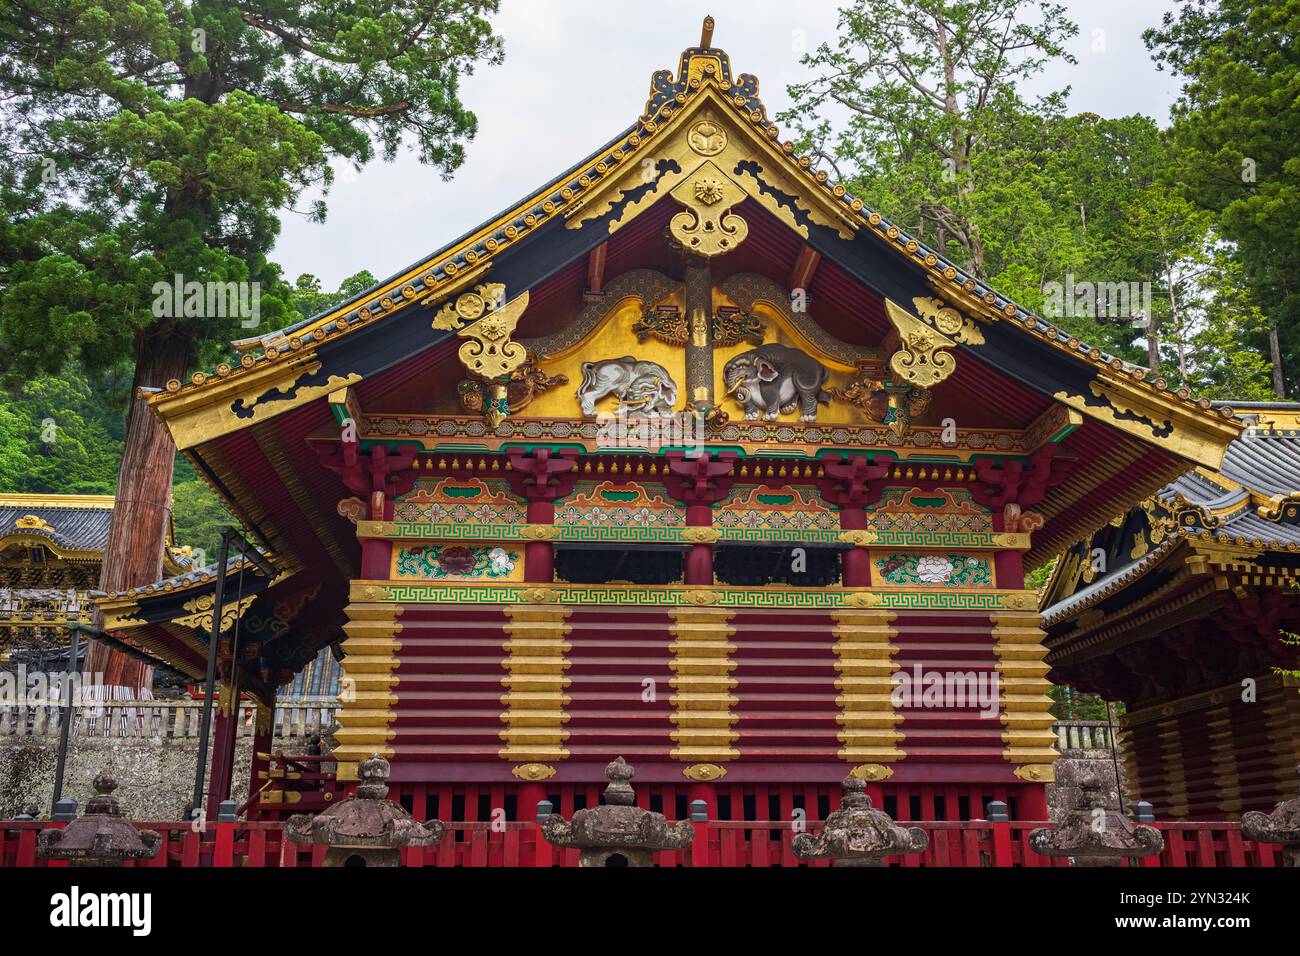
(872, 772)
(490, 353)
(949, 321)
(708, 227)
(469, 307)
(921, 359)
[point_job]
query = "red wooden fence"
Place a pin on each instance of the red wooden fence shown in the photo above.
(717, 843)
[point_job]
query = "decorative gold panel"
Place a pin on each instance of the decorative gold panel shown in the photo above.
(535, 684)
(703, 702)
(864, 660)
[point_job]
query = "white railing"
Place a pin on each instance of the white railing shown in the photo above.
(1072, 735)
(159, 720)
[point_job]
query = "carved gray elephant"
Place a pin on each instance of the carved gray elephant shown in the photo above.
(773, 379)
(643, 389)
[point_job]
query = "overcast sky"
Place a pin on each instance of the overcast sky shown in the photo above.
(578, 71)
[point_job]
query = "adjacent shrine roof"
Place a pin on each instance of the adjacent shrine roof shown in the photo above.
(1247, 510)
(70, 527)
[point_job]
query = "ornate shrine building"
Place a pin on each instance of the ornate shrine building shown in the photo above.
(688, 457)
(51, 549)
(1185, 609)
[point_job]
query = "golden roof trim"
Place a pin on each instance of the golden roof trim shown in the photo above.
(50, 501)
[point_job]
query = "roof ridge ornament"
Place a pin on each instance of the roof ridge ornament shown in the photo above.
(706, 34)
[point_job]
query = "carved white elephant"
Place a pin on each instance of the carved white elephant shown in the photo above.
(644, 389)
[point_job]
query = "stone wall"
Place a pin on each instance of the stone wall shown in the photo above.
(156, 777)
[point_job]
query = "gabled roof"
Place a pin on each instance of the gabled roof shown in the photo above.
(69, 523)
(599, 196)
(72, 527)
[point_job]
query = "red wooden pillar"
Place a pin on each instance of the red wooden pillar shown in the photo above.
(700, 481)
(530, 795)
(1032, 805)
(541, 478)
(539, 556)
(381, 477)
(699, 560)
(857, 561)
(708, 792)
(853, 484)
(225, 734)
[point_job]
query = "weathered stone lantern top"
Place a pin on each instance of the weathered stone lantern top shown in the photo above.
(618, 824)
(857, 834)
(102, 836)
(1280, 826)
(367, 820)
(1093, 833)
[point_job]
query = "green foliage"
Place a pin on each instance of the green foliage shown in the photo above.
(1236, 132)
(936, 137)
(309, 300)
(198, 517)
(934, 118)
(1070, 704)
(58, 436)
(1036, 579)
(150, 139)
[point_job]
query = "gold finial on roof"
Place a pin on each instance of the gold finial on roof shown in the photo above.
(32, 523)
(706, 36)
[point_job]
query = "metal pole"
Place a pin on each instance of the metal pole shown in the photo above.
(218, 606)
(1114, 756)
(65, 719)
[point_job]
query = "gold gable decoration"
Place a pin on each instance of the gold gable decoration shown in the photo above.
(923, 358)
(708, 227)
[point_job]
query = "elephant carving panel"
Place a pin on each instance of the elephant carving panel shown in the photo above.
(776, 379)
(643, 389)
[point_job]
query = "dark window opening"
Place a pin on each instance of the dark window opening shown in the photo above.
(759, 566)
(605, 565)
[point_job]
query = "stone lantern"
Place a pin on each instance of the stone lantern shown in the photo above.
(1093, 833)
(102, 837)
(857, 834)
(617, 833)
(367, 829)
(1281, 826)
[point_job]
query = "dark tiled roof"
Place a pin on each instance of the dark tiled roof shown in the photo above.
(79, 526)
(1266, 462)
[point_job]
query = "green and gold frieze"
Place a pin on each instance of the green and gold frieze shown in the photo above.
(665, 534)
(613, 595)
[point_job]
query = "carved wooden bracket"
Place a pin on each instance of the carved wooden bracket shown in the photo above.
(700, 479)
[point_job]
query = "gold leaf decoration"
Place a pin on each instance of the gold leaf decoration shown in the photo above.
(704, 772)
(949, 321)
(872, 772)
(489, 352)
(533, 772)
(708, 228)
(469, 307)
